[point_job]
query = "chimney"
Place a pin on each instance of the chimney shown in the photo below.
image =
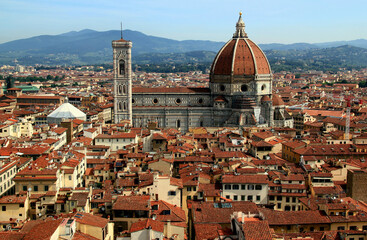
(169, 230)
(150, 233)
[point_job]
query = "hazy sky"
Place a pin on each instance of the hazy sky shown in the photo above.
(267, 21)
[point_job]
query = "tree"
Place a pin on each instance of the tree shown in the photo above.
(363, 84)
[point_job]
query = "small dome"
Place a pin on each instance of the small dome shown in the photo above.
(265, 98)
(220, 99)
(240, 57)
(277, 100)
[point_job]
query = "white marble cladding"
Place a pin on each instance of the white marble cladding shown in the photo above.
(175, 117)
(171, 99)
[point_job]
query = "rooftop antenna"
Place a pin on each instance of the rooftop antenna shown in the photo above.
(121, 30)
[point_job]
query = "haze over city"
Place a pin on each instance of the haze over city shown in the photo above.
(266, 21)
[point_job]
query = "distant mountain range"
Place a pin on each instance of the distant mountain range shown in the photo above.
(323, 59)
(362, 43)
(93, 47)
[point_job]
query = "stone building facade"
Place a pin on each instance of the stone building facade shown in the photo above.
(355, 180)
(239, 94)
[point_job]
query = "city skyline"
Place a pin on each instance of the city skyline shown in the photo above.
(266, 21)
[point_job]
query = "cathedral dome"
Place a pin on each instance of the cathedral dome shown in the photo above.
(239, 58)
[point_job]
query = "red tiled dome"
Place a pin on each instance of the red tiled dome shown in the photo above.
(220, 99)
(240, 56)
(265, 99)
(277, 100)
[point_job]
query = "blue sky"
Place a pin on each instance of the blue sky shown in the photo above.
(267, 21)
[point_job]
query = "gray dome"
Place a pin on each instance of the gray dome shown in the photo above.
(66, 111)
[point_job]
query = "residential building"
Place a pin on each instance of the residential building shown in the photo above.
(116, 141)
(246, 188)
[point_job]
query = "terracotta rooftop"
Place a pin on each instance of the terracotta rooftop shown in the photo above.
(83, 236)
(132, 203)
(176, 213)
(207, 231)
(115, 136)
(276, 218)
(43, 230)
(147, 224)
(89, 219)
(255, 179)
(80, 197)
(38, 97)
(219, 212)
(12, 199)
(11, 235)
(256, 230)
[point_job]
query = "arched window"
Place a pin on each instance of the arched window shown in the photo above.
(120, 89)
(120, 105)
(122, 67)
(125, 106)
(178, 123)
(124, 89)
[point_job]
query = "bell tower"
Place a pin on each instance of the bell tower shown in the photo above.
(122, 80)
